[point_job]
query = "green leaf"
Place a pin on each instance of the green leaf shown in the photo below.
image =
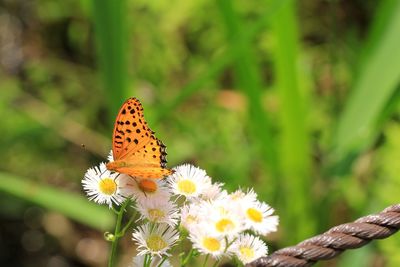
(378, 77)
(111, 40)
(294, 140)
(71, 205)
(249, 80)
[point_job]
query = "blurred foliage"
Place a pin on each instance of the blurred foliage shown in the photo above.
(298, 99)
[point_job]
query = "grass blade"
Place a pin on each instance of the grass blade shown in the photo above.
(249, 80)
(218, 64)
(110, 28)
(376, 82)
(294, 141)
(213, 70)
(71, 205)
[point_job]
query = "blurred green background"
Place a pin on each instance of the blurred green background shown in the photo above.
(298, 99)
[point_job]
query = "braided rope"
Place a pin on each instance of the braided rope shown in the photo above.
(333, 242)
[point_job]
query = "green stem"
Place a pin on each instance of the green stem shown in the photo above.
(205, 260)
(146, 257)
(114, 210)
(216, 263)
(162, 261)
(185, 261)
(114, 243)
(147, 260)
(183, 236)
(228, 244)
(152, 226)
(128, 224)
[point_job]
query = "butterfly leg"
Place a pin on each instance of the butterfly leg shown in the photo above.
(101, 173)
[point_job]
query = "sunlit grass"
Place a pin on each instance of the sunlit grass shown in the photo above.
(74, 206)
(308, 171)
(112, 49)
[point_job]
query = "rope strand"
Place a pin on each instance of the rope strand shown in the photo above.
(336, 240)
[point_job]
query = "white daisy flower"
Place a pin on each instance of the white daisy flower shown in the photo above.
(190, 216)
(125, 182)
(158, 211)
(240, 196)
(156, 240)
(222, 218)
(110, 156)
(188, 181)
(132, 188)
(102, 186)
(259, 217)
(138, 261)
(207, 243)
(248, 248)
(214, 192)
(219, 218)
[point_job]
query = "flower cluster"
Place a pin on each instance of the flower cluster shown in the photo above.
(186, 204)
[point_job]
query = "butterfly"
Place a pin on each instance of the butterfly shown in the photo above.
(136, 150)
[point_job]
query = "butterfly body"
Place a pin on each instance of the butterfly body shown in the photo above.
(136, 150)
(144, 171)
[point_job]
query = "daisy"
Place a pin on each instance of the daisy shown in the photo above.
(138, 261)
(248, 248)
(102, 186)
(240, 196)
(190, 216)
(188, 181)
(207, 243)
(131, 188)
(155, 240)
(110, 156)
(158, 211)
(259, 217)
(223, 217)
(214, 192)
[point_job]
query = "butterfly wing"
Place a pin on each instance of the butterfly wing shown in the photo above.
(130, 130)
(147, 162)
(134, 144)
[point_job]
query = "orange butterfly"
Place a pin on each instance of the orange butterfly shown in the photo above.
(136, 151)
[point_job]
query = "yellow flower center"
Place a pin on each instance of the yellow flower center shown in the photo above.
(211, 244)
(224, 225)
(190, 219)
(222, 210)
(148, 186)
(187, 186)
(156, 214)
(107, 186)
(254, 215)
(156, 243)
(247, 252)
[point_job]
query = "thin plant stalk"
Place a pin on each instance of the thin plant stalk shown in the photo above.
(162, 261)
(249, 80)
(114, 244)
(110, 21)
(188, 257)
(205, 260)
(294, 143)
